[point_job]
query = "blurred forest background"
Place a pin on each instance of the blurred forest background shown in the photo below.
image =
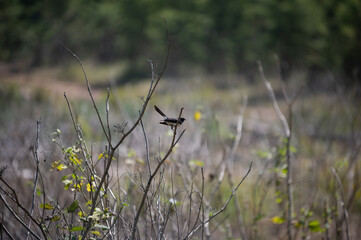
(311, 54)
(218, 37)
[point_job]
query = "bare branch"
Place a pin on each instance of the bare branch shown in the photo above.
(150, 180)
(287, 126)
(12, 211)
(343, 203)
(112, 149)
(107, 114)
(36, 158)
(146, 147)
(89, 90)
(2, 227)
(274, 100)
(224, 206)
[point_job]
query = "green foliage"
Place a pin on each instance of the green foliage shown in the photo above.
(46, 206)
(78, 180)
(220, 36)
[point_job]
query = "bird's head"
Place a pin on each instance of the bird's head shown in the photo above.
(181, 120)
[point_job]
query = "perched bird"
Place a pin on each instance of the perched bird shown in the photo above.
(169, 121)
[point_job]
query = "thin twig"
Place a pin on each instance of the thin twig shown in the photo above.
(146, 147)
(36, 158)
(151, 177)
(201, 207)
(287, 127)
(274, 100)
(89, 90)
(230, 166)
(326, 221)
(2, 227)
(190, 209)
(12, 211)
(15, 199)
(107, 114)
(343, 203)
(44, 197)
(224, 206)
(112, 148)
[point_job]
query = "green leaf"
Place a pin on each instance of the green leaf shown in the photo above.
(46, 206)
(264, 154)
(258, 217)
(131, 153)
(74, 206)
(78, 228)
(64, 177)
(55, 218)
(293, 149)
(315, 226)
(282, 151)
(38, 192)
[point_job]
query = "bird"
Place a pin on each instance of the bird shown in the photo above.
(172, 122)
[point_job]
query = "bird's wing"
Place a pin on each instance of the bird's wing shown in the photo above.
(160, 111)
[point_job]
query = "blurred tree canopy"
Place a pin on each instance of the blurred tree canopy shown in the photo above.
(219, 36)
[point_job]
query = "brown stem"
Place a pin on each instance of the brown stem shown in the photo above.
(150, 180)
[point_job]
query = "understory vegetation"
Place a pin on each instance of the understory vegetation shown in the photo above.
(270, 148)
(254, 160)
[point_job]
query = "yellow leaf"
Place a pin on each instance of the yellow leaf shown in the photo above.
(78, 186)
(75, 160)
(278, 220)
(197, 116)
(315, 226)
(195, 162)
(46, 206)
(96, 233)
(55, 164)
(140, 161)
(91, 187)
(298, 224)
(61, 167)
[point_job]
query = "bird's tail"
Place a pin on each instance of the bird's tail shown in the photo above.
(160, 111)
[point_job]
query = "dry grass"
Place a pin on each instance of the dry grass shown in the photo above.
(326, 134)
